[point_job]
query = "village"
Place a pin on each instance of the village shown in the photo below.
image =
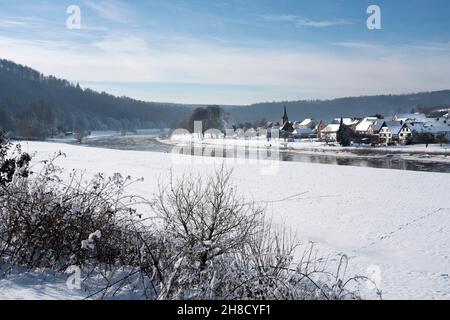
(405, 129)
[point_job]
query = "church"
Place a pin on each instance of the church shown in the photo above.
(287, 128)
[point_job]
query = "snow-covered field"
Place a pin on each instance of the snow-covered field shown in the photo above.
(394, 222)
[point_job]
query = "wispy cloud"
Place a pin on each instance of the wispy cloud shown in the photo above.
(204, 44)
(311, 73)
(359, 45)
(112, 10)
(300, 21)
(12, 23)
(324, 23)
(432, 47)
(280, 18)
(17, 22)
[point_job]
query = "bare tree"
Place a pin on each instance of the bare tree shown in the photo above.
(80, 134)
(208, 214)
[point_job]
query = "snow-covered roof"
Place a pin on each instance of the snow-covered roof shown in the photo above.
(411, 116)
(274, 123)
(416, 127)
(439, 128)
(364, 125)
(346, 121)
(422, 128)
(331, 128)
(394, 126)
(305, 122)
(376, 126)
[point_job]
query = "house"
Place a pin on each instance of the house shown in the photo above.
(416, 127)
(410, 117)
(407, 131)
(283, 129)
(410, 129)
(329, 133)
(440, 120)
(390, 130)
(365, 126)
(439, 129)
(307, 123)
(318, 129)
(304, 133)
(376, 127)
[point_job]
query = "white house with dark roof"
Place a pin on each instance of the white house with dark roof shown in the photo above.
(376, 126)
(390, 130)
(408, 129)
(435, 129)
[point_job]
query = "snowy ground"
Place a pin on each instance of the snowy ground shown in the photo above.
(37, 285)
(397, 222)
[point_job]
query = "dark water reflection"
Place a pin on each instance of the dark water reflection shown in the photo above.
(150, 143)
(382, 163)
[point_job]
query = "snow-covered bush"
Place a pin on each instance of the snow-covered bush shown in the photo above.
(15, 165)
(207, 217)
(47, 223)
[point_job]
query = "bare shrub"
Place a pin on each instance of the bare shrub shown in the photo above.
(46, 223)
(208, 217)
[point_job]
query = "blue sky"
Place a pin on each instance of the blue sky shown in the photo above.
(235, 51)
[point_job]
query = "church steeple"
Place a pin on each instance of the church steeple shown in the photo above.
(285, 116)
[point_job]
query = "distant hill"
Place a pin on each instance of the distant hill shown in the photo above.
(342, 107)
(34, 105)
(31, 103)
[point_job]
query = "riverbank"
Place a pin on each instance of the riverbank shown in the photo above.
(414, 158)
(430, 153)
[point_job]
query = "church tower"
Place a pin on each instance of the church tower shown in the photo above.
(285, 117)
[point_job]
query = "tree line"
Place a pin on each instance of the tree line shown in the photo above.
(35, 106)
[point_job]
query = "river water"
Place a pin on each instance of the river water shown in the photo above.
(151, 143)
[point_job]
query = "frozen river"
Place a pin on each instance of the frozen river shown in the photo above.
(384, 161)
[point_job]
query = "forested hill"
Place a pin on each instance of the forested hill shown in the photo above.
(31, 103)
(343, 107)
(33, 106)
